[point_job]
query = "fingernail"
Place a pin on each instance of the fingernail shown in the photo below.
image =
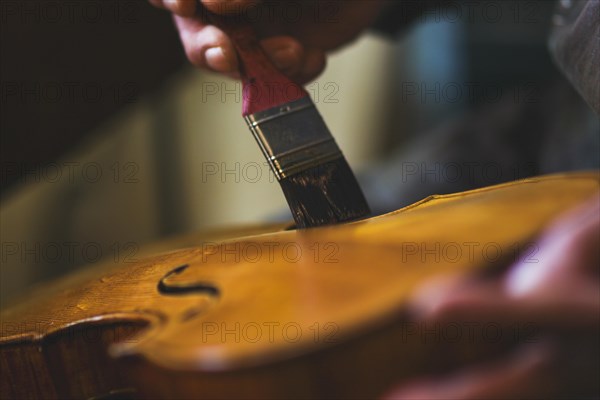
(525, 278)
(428, 297)
(529, 273)
(216, 60)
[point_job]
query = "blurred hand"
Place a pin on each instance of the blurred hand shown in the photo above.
(559, 293)
(294, 34)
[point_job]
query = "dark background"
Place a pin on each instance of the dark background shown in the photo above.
(68, 65)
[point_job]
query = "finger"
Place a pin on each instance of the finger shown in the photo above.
(447, 297)
(313, 66)
(286, 53)
(183, 8)
(293, 59)
(455, 301)
(575, 217)
(207, 46)
(526, 374)
(568, 249)
(229, 6)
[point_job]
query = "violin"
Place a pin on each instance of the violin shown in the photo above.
(277, 313)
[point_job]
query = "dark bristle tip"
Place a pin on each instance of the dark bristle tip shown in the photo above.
(325, 194)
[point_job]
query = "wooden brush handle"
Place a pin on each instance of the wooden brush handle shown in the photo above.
(264, 86)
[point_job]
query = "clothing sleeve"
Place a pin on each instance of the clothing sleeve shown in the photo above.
(575, 45)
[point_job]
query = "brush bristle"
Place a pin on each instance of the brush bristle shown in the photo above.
(325, 194)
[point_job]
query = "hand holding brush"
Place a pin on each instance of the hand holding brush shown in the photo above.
(316, 180)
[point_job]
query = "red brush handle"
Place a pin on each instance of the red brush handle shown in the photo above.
(264, 86)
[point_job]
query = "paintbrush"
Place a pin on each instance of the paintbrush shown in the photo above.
(316, 180)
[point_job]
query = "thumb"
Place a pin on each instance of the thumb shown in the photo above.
(566, 252)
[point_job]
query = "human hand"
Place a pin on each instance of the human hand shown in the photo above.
(559, 294)
(295, 35)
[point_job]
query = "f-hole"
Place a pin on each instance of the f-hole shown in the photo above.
(179, 290)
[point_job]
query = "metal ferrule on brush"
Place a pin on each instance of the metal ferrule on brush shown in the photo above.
(293, 137)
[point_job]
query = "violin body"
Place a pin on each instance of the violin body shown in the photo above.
(317, 313)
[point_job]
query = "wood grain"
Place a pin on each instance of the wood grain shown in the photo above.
(290, 314)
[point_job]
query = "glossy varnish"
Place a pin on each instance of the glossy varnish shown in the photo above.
(288, 314)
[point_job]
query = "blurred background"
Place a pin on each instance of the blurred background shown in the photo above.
(111, 141)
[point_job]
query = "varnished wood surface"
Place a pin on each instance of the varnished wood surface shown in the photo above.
(209, 321)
